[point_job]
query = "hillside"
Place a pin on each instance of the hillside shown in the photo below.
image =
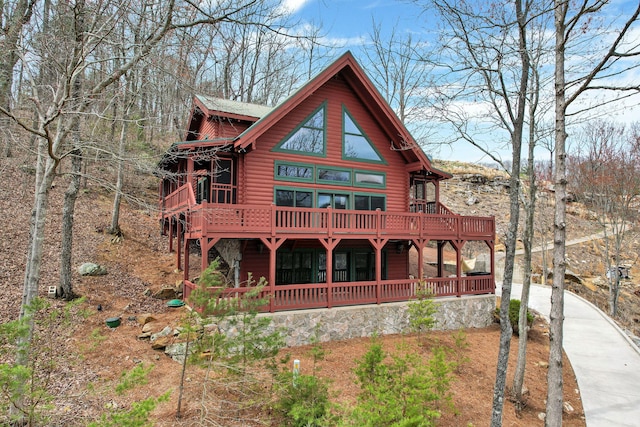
(89, 357)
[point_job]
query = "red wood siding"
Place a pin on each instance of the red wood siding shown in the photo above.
(212, 128)
(397, 265)
(260, 162)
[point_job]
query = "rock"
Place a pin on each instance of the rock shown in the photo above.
(543, 364)
(163, 333)
(145, 335)
(167, 292)
(176, 351)
(148, 327)
(568, 409)
(472, 200)
(161, 342)
(145, 318)
(542, 416)
(92, 269)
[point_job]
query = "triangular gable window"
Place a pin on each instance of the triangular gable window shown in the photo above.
(356, 145)
(309, 137)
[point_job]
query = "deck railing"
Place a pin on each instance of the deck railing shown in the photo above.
(209, 219)
(319, 295)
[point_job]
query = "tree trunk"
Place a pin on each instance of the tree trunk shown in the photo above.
(523, 326)
(115, 213)
(45, 173)
(556, 315)
(12, 30)
(71, 195)
(68, 209)
(514, 215)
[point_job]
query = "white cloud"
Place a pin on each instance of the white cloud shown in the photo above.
(292, 6)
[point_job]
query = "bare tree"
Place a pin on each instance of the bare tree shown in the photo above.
(489, 55)
(605, 175)
(83, 78)
(572, 21)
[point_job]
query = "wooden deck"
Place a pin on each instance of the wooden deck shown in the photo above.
(321, 295)
(238, 221)
(219, 221)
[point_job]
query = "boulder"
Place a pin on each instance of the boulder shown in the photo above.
(143, 319)
(161, 342)
(92, 269)
(177, 351)
(168, 330)
(167, 292)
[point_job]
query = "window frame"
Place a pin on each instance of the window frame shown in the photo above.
(279, 163)
(319, 180)
(369, 185)
(362, 134)
(383, 196)
(279, 148)
(295, 190)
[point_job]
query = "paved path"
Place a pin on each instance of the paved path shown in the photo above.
(606, 362)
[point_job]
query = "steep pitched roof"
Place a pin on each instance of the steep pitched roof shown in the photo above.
(355, 76)
(228, 108)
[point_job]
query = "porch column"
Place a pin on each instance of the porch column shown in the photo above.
(273, 243)
(378, 243)
(457, 245)
(178, 245)
(170, 234)
(190, 167)
(205, 245)
(185, 273)
(491, 245)
(441, 245)
(420, 245)
(329, 244)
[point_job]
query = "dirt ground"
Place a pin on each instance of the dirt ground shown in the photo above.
(90, 357)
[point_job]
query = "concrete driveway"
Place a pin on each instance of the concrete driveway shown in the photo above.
(606, 362)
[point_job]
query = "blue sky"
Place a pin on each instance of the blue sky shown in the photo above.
(347, 23)
(351, 20)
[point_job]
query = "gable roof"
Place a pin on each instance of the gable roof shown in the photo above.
(356, 78)
(234, 109)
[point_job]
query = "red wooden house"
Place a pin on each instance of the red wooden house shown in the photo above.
(325, 195)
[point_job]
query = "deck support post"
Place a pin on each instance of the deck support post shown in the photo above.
(378, 243)
(329, 244)
(441, 245)
(170, 234)
(457, 245)
(178, 244)
(272, 243)
(420, 245)
(206, 243)
(185, 274)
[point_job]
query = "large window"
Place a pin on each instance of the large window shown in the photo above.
(368, 202)
(356, 145)
(324, 174)
(336, 201)
(294, 198)
(309, 137)
(334, 176)
(294, 267)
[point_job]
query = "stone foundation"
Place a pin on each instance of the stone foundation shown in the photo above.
(341, 323)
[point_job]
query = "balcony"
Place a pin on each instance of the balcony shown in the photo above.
(209, 219)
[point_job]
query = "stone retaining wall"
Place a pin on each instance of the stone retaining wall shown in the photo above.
(340, 323)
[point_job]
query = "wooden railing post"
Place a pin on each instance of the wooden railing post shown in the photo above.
(273, 219)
